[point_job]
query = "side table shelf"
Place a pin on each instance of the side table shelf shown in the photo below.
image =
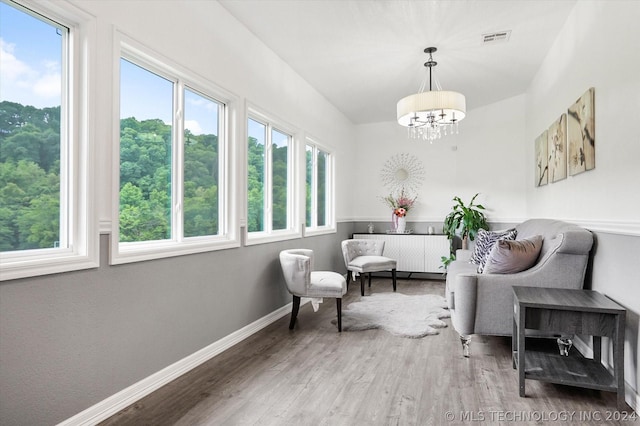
(573, 370)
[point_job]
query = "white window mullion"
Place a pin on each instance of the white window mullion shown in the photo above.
(292, 184)
(268, 181)
(330, 192)
(314, 188)
(223, 176)
(177, 157)
(69, 144)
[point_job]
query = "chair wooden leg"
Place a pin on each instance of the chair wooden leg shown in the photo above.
(294, 312)
(369, 279)
(362, 283)
(348, 278)
(339, 307)
(393, 274)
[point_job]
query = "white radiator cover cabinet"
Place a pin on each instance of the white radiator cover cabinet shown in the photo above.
(414, 252)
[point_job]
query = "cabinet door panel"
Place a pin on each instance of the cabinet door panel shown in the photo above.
(414, 253)
(435, 247)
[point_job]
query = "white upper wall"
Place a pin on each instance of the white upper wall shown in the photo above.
(217, 47)
(598, 47)
(486, 156)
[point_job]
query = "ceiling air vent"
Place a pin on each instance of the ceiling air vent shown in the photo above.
(498, 37)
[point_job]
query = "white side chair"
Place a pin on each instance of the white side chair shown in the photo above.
(365, 257)
(303, 281)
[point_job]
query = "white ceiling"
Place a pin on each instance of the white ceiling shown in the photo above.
(364, 55)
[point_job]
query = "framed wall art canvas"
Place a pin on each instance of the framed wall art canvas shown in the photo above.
(581, 137)
(557, 146)
(542, 160)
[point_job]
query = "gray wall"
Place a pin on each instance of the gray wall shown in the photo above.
(70, 340)
(614, 272)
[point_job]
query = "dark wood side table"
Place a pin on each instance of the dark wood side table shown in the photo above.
(566, 311)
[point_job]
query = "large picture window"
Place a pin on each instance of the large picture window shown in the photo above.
(319, 189)
(173, 151)
(44, 218)
(270, 182)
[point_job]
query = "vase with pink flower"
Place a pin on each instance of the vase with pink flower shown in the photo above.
(400, 206)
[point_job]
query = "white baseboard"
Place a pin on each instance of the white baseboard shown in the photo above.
(115, 403)
(632, 397)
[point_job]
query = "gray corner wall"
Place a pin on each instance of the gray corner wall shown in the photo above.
(68, 341)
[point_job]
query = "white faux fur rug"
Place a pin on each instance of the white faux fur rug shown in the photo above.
(403, 315)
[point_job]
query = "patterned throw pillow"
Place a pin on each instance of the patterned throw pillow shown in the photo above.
(485, 240)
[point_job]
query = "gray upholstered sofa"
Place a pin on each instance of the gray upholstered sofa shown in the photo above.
(483, 303)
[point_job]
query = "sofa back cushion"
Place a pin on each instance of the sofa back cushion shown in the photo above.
(553, 234)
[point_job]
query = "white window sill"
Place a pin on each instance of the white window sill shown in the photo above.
(254, 238)
(312, 232)
(14, 267)
(139, 252)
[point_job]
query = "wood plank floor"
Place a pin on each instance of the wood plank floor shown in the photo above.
(314, 375)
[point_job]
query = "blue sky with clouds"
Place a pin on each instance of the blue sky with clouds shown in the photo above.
(31, 74)
(30, 59)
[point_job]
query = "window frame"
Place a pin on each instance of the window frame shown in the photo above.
(227, 237)
(293, 229)
(77, 217)
(330, 227)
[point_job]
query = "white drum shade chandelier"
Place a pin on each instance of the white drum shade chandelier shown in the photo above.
(430, 115)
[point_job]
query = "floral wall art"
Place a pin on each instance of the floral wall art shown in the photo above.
(568, 145)
(581, 134)
(542, 160)
(557, 146)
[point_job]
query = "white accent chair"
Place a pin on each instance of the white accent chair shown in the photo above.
(303, 281)
(365, 257)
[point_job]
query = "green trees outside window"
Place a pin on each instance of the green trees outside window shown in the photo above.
(256, 155)
(279, 187)
(30, 143)
(145, 158)
(29, 177)
(201, 203)
(267, 166)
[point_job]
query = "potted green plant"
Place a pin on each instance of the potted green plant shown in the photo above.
(465, 221)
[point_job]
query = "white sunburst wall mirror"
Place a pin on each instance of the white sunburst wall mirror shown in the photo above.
(403, 171)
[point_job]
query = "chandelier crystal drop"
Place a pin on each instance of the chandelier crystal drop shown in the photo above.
(433, 114)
